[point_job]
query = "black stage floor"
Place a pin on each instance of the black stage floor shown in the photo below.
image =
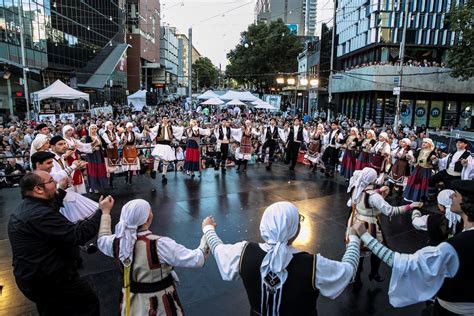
(237, 202)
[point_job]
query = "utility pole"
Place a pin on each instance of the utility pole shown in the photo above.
(23, 61)
(333, 43)
(190, 62)
(400, 71)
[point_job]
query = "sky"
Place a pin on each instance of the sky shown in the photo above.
(216, 24)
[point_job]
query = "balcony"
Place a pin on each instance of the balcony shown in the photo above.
(385, 78)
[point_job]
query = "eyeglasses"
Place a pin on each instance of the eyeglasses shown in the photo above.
(44, 183)
(301, 218)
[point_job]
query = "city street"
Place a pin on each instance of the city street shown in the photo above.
(237, 202)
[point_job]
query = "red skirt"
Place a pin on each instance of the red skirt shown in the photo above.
(363, 160)
(348, 163)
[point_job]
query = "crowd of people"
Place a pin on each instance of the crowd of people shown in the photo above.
(408, 63)
(56, 163)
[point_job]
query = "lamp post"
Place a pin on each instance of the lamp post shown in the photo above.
(292, 82)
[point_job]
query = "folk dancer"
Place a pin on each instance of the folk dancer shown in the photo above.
(350, 153)
(192, 160)
(112, 161)
(296, 136)
(96, 168)
(163, 135)
(367, 204)
(444, 271)
(363, 160)
(75, 145)
(223, 136)
(130, 160)
(331, 153)
(72, 205)
(313, 155)
(440, 226)
(380, 159)
(400, 169)
(270, 140)
(244, 153)
(417, 183)
(147, 261)
(453, 166)
(278, 278)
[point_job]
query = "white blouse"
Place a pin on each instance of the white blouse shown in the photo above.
(332, 276)
(169, 251)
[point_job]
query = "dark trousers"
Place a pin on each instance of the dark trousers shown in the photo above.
(444, 177)
(222, 155)
(271, 144)
(292, 152)
(68, 296)
(330, 157)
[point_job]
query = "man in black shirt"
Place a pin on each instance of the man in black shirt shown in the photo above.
(45, 248)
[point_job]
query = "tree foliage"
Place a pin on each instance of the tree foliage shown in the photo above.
(264, 50)
(461, 57)
(205, 75)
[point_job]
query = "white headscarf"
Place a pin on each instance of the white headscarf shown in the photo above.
(134, 214)
(384, 136)
(429, 142)
(90, 127)
(279, 224)
(38, 142)
(444, 198)
(407, 141)
(107, 124)
(66, 128)
(129, 124)
(359, 181)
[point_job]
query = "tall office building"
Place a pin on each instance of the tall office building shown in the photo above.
(68, 40)
(299, 15)
(368, 40)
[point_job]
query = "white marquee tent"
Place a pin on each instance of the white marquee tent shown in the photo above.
(59, 90)
(138, 100)
(213, 101)
(235, 102)
(244, 96)
(209, 94)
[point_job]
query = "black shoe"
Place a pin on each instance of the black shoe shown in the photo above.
(216, 168)
(192, 175)
(153, 174)
(376, 277)
(292, 168)
(223, 170)
(357, 284)
(164, 180)
(268, 168)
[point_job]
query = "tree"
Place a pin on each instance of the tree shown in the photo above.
(263, 52)
(461, 56)
(205, 75)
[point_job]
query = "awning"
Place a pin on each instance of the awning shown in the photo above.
(105, 70)
(14, 64)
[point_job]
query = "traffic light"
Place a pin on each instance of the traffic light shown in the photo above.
(20, 105)
(390, 107)
(151, 98)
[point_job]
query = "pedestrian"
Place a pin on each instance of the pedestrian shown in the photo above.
(45, 249)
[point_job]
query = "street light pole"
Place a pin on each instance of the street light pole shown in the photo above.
(23, 61)
(400, 71)
(332, 58)
(190, 62)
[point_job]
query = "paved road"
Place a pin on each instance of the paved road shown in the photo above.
(237, 202)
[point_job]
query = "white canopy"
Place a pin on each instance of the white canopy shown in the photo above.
(265, 106)
(213, 101)
(209, 94)
(239, 95)
(59, 90)
(138, 100)
(235, 102)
